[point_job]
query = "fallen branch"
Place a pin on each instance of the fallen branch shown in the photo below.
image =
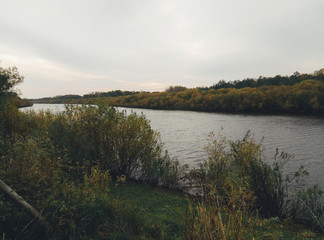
(8, 190)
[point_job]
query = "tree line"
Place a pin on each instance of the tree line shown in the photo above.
(295, 94)
(306, 97)
(74, 97)
(278, 80)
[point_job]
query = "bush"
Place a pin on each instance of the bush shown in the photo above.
(120, 143)
(236, 168)
(62, 164)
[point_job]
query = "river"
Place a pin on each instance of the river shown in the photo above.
(185, 134)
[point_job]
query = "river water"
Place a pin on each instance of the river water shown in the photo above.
(185, 134)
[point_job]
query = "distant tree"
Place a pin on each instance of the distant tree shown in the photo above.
(9, 78)
(319, 72)
(222, 84)
(176, 89)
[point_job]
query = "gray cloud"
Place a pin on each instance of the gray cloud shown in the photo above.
(151, 44)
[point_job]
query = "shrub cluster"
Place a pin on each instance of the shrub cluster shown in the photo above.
(62, 164)
(235, 182)
(306, 97)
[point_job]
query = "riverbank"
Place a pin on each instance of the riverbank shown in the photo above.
(165, 214)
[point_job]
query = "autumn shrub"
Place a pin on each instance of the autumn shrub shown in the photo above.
(77, 208)
(240, 164)
(124, 144)
(62, 164)
(73, 208)
(29, 169)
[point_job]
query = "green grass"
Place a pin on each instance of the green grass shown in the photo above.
(277, 229)
(163, 215)
(163, 211)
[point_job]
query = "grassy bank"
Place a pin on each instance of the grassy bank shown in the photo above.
(164, 214)
(146, 212)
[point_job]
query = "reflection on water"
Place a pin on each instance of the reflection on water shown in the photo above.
(185, 134)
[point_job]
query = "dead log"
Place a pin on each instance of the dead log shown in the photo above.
(8, 190)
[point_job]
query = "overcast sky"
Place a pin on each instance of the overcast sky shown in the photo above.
(82, 46)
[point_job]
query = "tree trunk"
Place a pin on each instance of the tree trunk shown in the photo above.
(8, 190)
